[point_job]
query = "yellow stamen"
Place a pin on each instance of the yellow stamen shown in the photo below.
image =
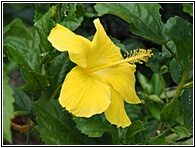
(136, 56)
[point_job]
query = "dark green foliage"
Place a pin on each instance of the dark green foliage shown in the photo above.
(165, 116)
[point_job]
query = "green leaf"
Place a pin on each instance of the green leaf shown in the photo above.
(171, 111)
(96, 126)
(16, 56)
(155, 109)
(12, 66)
(170, 92)
(145, 83)
(142, 137)
(159, 62)
(176, 71)
(24, 51)
(56, 126)
(155, 98)
(10, 29)
(43, 26)
(93, 127)
(131, 43)
(189, 141)
(133, 129)
(74, 17)
(8, 109)
(59, 68)
(22, 101)
(117, 43)
(180, 143)
(151, 86)
(34, 81)
(181, 33)
(144, 18)
(181, 131)
(188, 8)
(158, 140)
(41, 8)
(187, 103)
(156, 82)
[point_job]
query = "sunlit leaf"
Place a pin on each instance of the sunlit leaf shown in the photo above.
(157, 83)
(188, 8)
(155, 109)
(155, 98)
(8, 108)
(181, 131)
(145, 83)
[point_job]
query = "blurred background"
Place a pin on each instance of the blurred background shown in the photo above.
(113, 25)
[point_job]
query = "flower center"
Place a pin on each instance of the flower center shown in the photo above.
(135, 56)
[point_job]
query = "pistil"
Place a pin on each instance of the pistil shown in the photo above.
(136, 56)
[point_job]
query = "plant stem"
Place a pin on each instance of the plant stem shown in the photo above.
(163, 87)
(178, 93)
(159, 129)
(187, 84)
(56, 91)
(180, 87)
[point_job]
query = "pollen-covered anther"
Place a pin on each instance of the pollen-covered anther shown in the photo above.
(139, 55)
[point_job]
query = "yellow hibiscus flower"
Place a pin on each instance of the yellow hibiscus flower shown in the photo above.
(102, 79)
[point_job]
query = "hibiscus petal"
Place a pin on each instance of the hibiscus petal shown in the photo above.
(115, 113)
(122, 79)
(104, 51)
(65, 40)
(83, 95)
